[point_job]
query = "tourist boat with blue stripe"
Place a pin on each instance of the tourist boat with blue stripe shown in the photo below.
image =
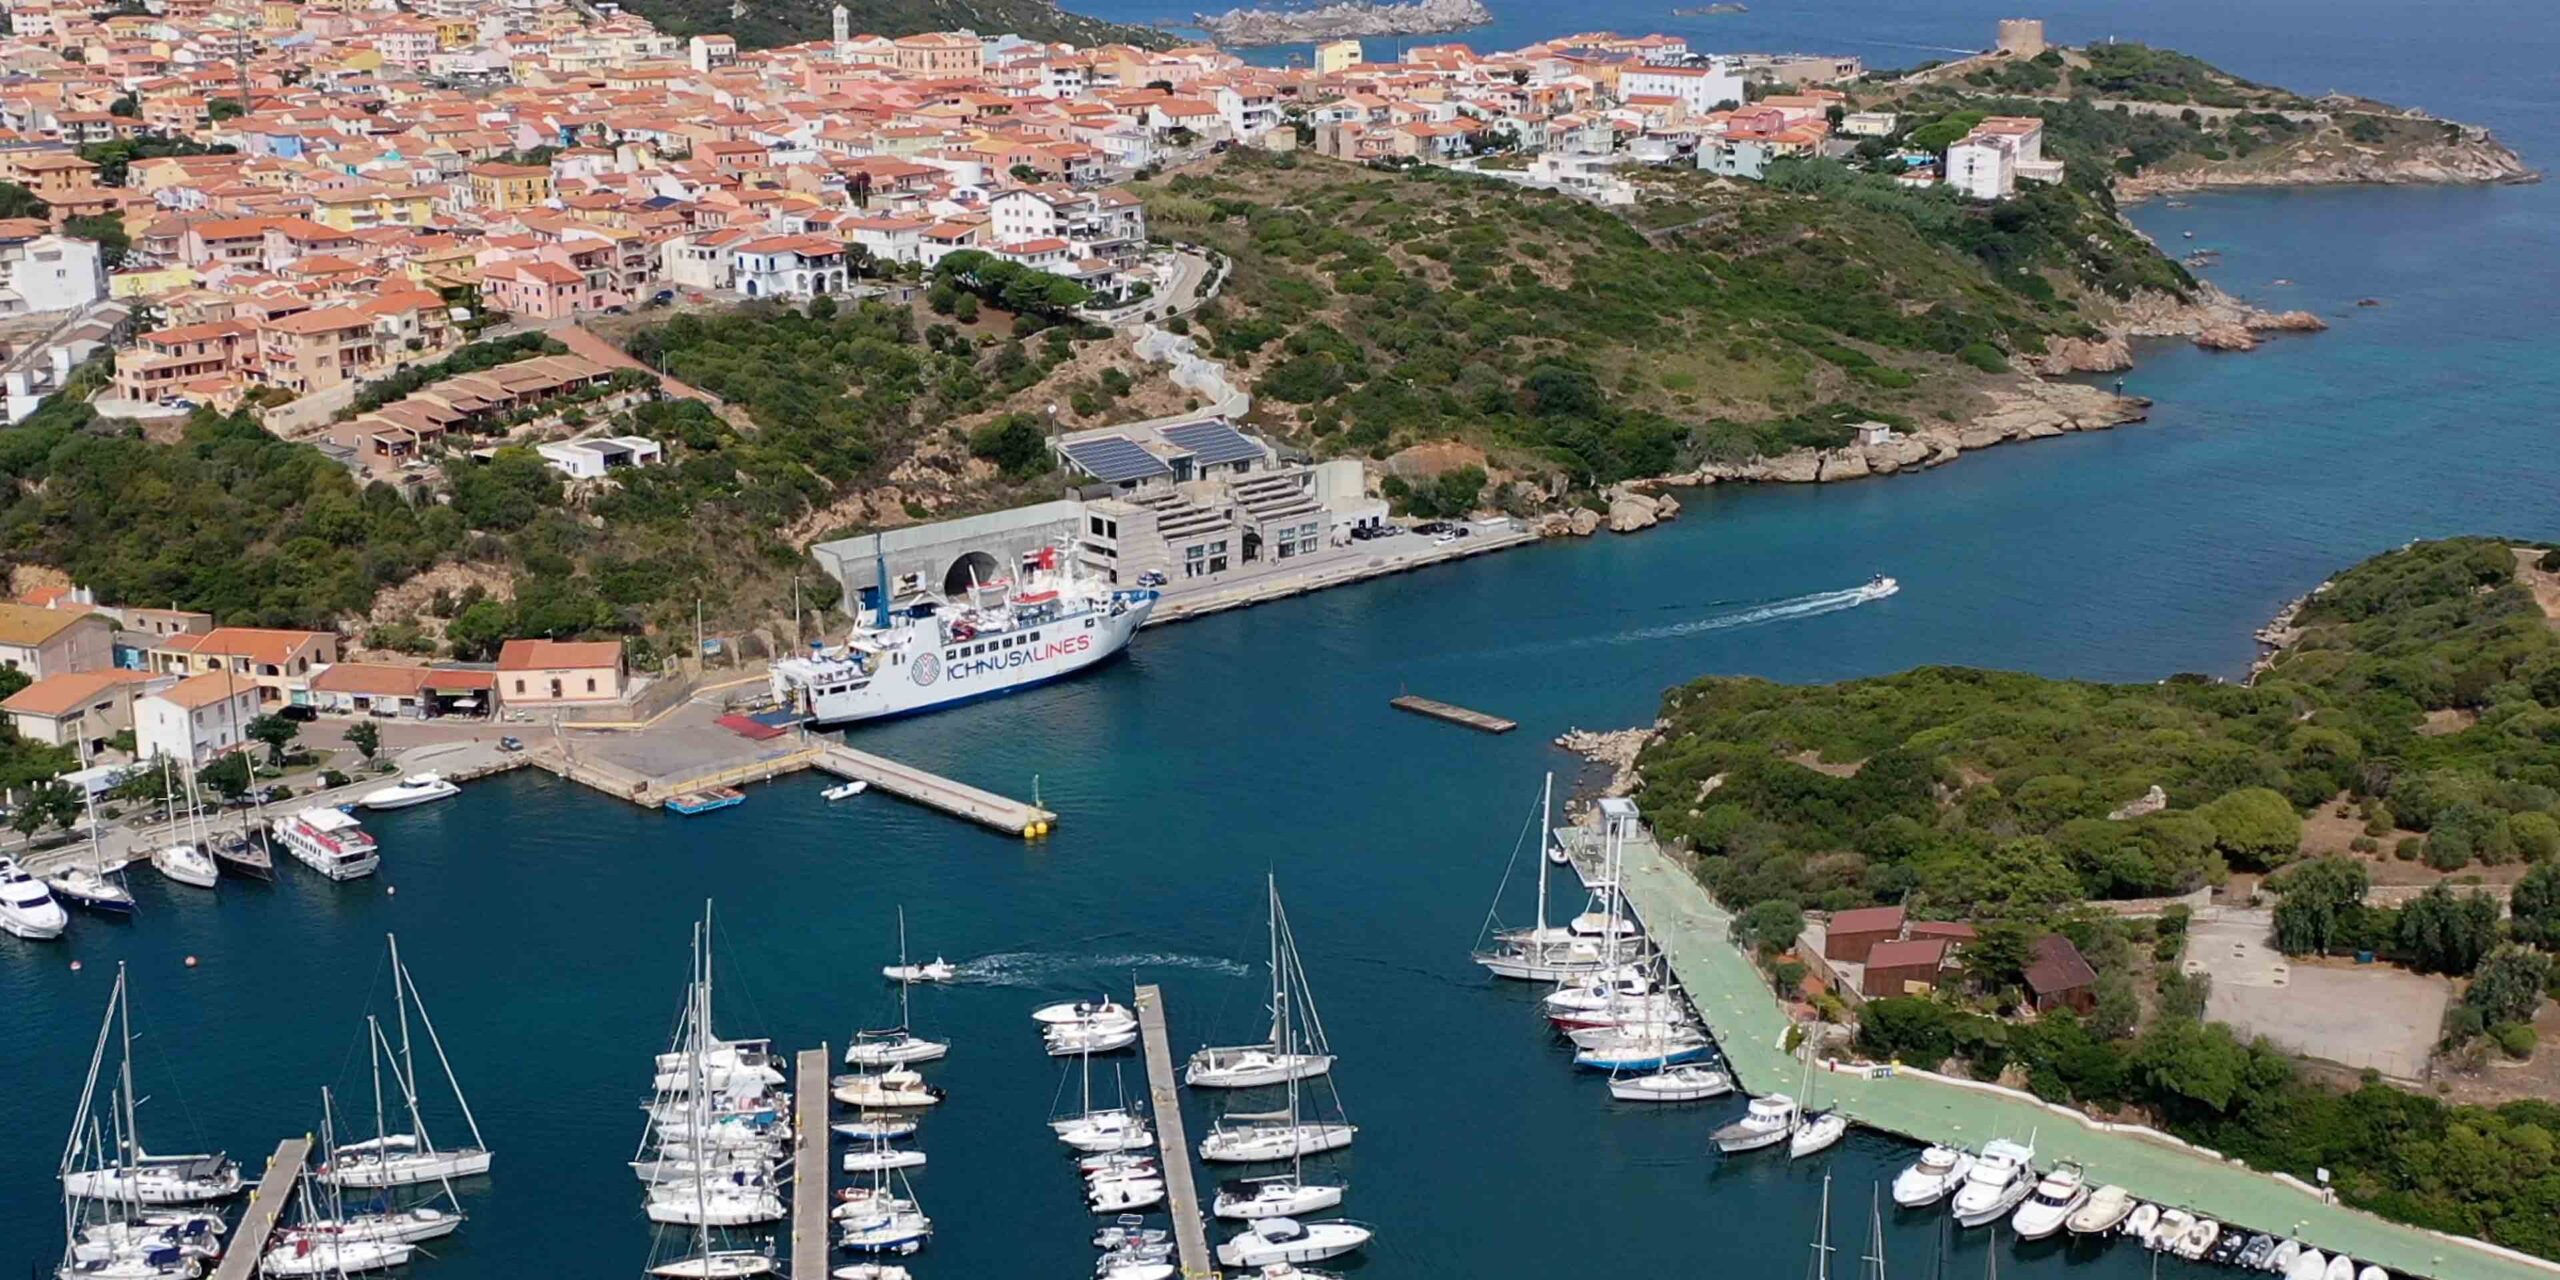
(925, 652)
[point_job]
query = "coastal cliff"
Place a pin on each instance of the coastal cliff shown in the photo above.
(1247, 27)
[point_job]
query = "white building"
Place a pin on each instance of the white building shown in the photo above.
(1249, 110)
(890, 239)
(49, 273)
(789, 267)
(195, 719)
(1110, 223)
(596, 456)
(1700, 89)
(1869, 124)
(702, 261)
(1987, 163)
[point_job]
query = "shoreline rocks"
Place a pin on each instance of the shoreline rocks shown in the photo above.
(2474, 159)
(1246, 27)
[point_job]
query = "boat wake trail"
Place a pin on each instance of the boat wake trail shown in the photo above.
(1049, 969)
(1793, 607)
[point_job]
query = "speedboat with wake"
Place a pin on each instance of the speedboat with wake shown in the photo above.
(1878, 587)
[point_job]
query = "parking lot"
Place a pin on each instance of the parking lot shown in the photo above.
(2355, 1015)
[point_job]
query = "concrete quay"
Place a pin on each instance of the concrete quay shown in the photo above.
(1332, 567)
(1728, 991)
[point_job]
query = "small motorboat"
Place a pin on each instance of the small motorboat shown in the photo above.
(1124, 1195)
(2173, 1224)
(1816, 1133)
(2310, 1264)
(27, 908)
(2372, 1272)
(698, 802)
(1102, 1131)
(845, 790)
(870, 1271)
(2001, 1177)
(2280, 1259)
(1878, 587)
(1073, 1040)
(1929, 1178)
(1102, 1162)
(2253, 1255)
(1117, 1267)
(2227, 1249)
(2199, 1237)
(187, 864)
(1129, 1229)
(1765, 1123)
(1102, 1012)
(1674, 1084)
(85, 888)
(2341, 1267)
(934, 970)
(2140, 1223)
(417, 788)
(2104, 1211)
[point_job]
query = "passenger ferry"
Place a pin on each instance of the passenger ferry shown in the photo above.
(330, 842)
(996, 637)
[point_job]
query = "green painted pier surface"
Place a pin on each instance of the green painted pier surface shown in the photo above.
(1750, 1028)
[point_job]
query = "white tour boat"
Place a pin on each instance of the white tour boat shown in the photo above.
(331, 842)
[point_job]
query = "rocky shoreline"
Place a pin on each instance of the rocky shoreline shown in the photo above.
(2473, 159)
(1248, 27)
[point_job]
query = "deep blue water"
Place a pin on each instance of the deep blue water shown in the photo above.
(548, 925)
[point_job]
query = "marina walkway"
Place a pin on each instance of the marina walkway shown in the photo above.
(248, 1242)
(809, 1168)
(1452, 713)
(959, 799)
(1190, 1233)
(1750, 1030)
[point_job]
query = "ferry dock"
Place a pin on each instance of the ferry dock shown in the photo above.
(810, 1171)
(1182, 1194)
(248, 1244)
(1484, 722)
(1729, 994)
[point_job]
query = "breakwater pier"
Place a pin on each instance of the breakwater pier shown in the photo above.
(1694, 934)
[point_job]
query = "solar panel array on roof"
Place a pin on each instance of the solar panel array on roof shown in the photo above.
(1115, 460)
(1211, 443)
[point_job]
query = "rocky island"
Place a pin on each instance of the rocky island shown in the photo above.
(1247, 27)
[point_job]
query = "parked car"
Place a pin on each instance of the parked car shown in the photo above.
(662, 297)
(1151, 579)
(510, 743)
(297, 711)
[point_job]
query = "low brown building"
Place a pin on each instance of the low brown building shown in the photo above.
(1898, 967)
(1851, 934)
(2058, 977)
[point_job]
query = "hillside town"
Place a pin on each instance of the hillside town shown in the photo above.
(263, 203)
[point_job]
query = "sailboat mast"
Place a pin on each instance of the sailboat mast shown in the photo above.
(373, 1037)
(702, 1146)
(905, 975)
(1822, 1235)
(89, 1088)
(1279, 979)
(437, 1043)
(1546, 832)
(132, 1139)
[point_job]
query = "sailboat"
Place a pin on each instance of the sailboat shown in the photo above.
(1095, 1130)
(395, 1159)
(244, 854)
(1269, 1136)
(1253, 1065)
(1545, 952)
(900, 1044)
(705, 1181)
(1281, 1195)
(1814, 1130)
(127, 1173)
(319, 1245)
(886, 1222)
(377, 1221)
(91, 885)
(183, 860)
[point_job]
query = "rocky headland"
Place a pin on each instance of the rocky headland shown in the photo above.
(1245, 27)
(2464, 155)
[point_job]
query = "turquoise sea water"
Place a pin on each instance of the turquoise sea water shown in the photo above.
(548, 926)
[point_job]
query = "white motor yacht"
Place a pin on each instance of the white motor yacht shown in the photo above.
(2055, 1198)
(1270, 1240)
(1124, 1195)
(27, 908)
(1070, 1040)
(2001, 1177)
(2103, 1211)
(331, 842)
(1105, 1011)
(1108, 1130)
(1767, 1122)
(1673, 1084)
(1931, 1177)
(2174, 1223)
(1285, 1197)
(1817, 1132)
(416, 789)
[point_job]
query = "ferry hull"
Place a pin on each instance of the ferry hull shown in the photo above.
(949, 676)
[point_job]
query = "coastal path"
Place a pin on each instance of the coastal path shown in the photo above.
(1750, 1029)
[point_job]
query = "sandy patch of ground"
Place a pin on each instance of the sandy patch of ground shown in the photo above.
(2499, 1078)
(2355, 1015)
(2448, 720)
(2544, 586)
(1813, 760)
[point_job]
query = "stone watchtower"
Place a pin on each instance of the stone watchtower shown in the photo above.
(844, 32)
(2021, 37)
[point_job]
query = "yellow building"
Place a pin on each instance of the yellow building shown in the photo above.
(456, 33)
(1335, 55)
(143, 284)
(365, 207)
(280, 15)
(506, 187)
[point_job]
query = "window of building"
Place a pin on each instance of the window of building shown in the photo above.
(519, 686)
(591, 684)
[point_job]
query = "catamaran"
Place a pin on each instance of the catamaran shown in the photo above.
(1249, 1066)
(900, 1044)
(987, 637)
(393, 1158)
